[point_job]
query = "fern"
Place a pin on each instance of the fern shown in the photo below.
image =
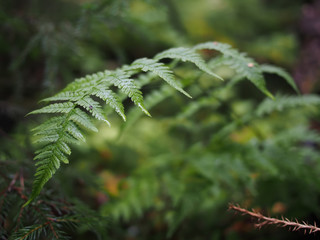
(78, 100)
(160, 70)
(65, 107)
(187, 55)
(287, 102)
(279, 71)
(243, 65)
(75, 102)
(138, 197)
(151, 100)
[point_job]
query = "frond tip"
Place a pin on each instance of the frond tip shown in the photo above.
(160, 70)
(245, 67)
(187, 55)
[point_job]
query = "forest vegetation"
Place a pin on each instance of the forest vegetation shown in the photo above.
(145, 119)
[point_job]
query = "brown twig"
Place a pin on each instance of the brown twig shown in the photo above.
(284, 222)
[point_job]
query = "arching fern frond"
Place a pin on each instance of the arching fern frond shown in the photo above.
(93, 107)
(280, 72)
(243, 65)
(121, 79)
(187, 55)
(111, 99)
(286, 102)
(64, 96)
(154, 98)
(160, 70)
(65, 107)
(138, 197)
(83, 120)
(80, 101)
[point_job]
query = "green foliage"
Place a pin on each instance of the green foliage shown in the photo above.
(244, 159)
(154, 177)
(77, 101)
(279, 71)
(53, 217)
(283, 102)
(186, 55)
(243, 65)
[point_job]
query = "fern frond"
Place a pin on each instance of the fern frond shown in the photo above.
(52, 123)
(138, 197)
(68, 138)
(47, 167)
(77, 101)
(243, 65)
(45, 139)
(192, 108)
(280, 72)
(285, 102)
(299, 133)
(74, 131)
(111, 99)
(83, 120)
(51, 130)
(63, 147)
(65, 107)
(160, 70)
(93, 107)
(65, 96)
(85, 83)
(122, 80)
(187, 55)
(151, 100)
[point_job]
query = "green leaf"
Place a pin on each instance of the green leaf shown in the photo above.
(111, 99)
(187, 55)
(83, 120)
(122, 80)
(280, 72)
(74, 131)
(65, 107)
(46, 168)
(242, 64)
(65, 96)
(160, 70)
(286, 102)
(93, 107)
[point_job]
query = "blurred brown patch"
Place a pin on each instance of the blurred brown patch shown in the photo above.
(279, 208)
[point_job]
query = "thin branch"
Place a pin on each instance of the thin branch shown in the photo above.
(52, 229)
(283, 222)
(33, 230)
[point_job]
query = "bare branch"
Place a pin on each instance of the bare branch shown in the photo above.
(283, 222)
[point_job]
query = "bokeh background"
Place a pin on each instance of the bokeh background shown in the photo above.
(172, 175)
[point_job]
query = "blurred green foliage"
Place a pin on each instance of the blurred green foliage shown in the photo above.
(174, 174)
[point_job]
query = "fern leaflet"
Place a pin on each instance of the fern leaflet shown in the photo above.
(282, 73)
(187, 55)
(284, 102)
(160, 70)
(245, 66)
